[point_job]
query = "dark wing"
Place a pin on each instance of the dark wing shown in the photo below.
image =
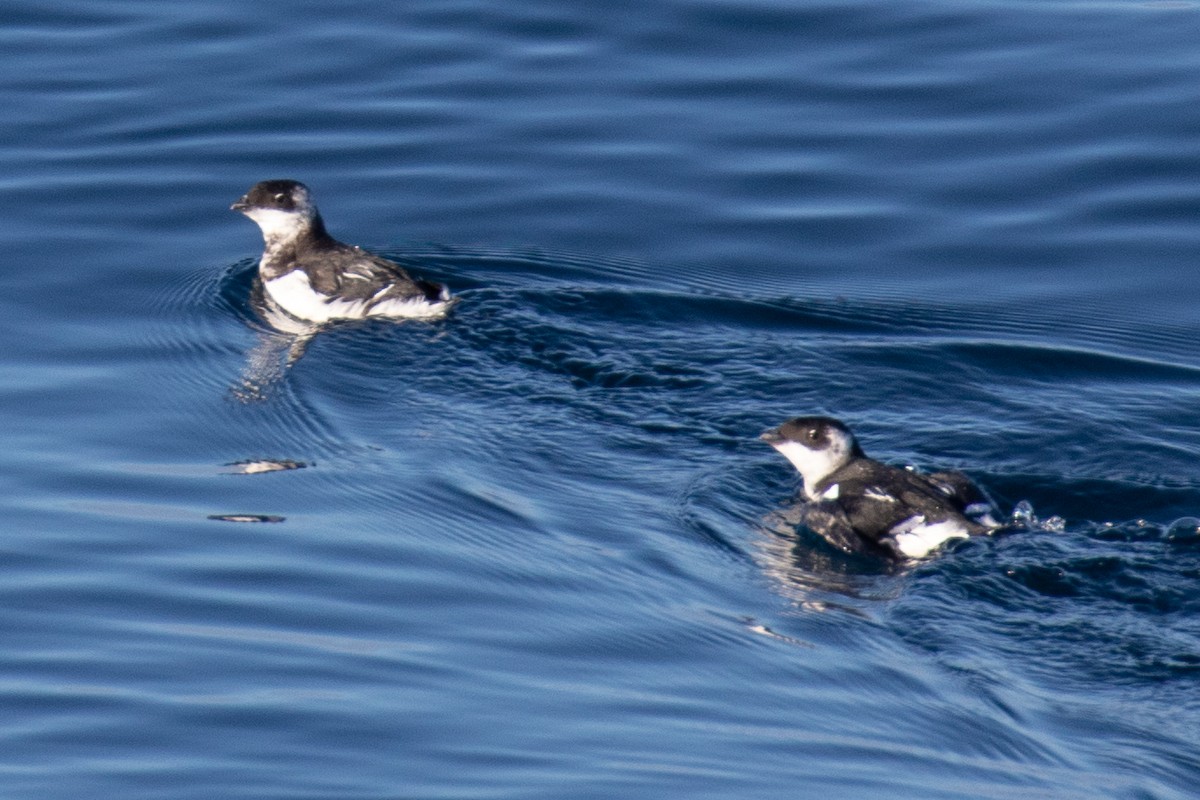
(958, 488)
(971, 501)
(401, 284)
(828, 519)
(876, 497)
(355, 274)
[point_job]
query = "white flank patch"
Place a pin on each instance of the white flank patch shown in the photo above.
(915, 539)
(875, 493)
(295, 294)
(832, 492)
(410, 308)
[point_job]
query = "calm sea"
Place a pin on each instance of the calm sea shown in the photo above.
(536, 550)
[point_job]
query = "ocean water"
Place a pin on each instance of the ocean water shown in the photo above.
(536, 550)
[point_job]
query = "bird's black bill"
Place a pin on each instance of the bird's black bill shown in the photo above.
(772, 436)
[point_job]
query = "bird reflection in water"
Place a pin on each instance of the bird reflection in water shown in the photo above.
(282, 341)
(812, 574)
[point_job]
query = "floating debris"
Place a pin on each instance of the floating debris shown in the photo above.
(763, 630)
(246, 517)
(259, 466)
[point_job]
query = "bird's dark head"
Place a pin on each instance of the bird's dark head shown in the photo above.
(816, 446)
(283, 209)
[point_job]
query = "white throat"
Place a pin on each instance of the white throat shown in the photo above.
(814, 466)
(278, 226)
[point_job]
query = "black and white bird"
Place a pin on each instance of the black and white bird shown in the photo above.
(317, 279)
(861, 505)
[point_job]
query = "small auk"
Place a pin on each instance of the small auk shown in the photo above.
(316, 278)
(861, 505)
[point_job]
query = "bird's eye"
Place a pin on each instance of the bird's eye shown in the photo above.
(812, 434)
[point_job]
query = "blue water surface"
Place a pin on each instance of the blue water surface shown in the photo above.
(535, 550)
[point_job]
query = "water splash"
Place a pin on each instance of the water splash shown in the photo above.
(1023, 516)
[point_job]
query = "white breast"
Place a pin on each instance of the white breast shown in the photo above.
(295, 294)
